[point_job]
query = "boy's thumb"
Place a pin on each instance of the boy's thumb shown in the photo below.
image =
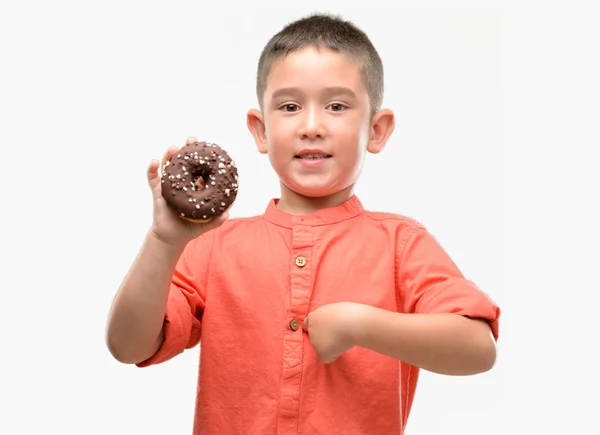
(305, 325)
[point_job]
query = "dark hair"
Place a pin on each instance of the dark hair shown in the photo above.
(330, 32)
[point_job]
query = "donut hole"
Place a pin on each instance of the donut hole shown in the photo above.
(200, 177)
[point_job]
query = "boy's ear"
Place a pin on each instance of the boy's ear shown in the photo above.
(382, 126)
(256, 125)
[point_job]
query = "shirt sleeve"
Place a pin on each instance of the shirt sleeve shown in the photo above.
(185, 305)
(428, 281)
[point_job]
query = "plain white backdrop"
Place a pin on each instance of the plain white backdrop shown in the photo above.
(497, 114)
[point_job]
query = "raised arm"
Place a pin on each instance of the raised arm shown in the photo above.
(135, 327)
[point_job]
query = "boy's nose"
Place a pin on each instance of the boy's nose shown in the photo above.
(312, 125)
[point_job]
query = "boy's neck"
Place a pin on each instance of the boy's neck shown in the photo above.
(296, 204)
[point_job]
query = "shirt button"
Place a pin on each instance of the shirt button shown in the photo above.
(300, 261)
(294, 324)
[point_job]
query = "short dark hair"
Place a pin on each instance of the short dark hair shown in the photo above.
(330, 32)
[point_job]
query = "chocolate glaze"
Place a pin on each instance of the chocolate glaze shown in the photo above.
(200, 181)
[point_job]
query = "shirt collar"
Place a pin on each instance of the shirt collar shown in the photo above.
(349, 209)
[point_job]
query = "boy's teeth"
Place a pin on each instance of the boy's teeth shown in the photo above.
(313, 156)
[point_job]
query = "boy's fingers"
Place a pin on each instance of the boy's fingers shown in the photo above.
(191, 140)
(305, 324)
(172, 150)
(152, 171)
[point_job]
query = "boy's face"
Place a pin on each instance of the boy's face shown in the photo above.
(316, 123)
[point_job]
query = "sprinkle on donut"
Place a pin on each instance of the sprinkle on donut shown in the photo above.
(199, 182)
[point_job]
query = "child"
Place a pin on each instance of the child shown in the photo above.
(316, 316)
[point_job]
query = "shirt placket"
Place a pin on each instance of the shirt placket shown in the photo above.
(293, 337)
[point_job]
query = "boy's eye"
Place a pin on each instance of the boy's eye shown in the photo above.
(290, 107)
(337, 107)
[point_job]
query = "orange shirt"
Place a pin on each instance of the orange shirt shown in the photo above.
(245, 289)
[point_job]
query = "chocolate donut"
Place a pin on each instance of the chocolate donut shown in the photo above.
(199, 182)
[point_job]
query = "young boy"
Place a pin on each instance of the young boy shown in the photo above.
(315, 317)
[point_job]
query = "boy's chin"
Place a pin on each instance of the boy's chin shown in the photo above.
(314, 191)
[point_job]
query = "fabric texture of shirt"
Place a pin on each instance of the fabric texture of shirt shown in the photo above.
(245, 288)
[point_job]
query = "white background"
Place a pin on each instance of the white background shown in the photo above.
(497, 127)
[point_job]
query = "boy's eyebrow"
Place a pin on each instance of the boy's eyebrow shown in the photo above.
(333, 90)
(340, 90)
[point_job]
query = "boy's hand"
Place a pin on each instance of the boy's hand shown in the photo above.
(166, 226)
(332, 329)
